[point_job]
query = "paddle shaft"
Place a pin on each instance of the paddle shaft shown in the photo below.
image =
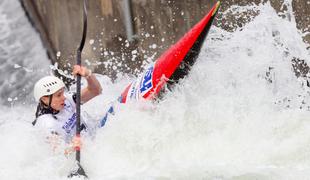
(78, 84)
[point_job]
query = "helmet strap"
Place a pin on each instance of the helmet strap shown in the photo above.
(50, 100)
(42, 108)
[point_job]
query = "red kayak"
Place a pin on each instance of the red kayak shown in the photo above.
(170, 67)
(173, 65)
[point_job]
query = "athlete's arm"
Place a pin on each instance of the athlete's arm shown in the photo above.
(93, 86)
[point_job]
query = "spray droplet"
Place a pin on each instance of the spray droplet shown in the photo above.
(16, 66)
(153, 46)
(58, 54)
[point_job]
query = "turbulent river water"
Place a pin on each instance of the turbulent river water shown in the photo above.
(241, 113)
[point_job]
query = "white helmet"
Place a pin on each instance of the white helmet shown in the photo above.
(47, 86)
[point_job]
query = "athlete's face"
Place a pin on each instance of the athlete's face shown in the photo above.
(58, 100)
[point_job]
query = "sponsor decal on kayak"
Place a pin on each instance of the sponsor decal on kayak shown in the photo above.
(146, 84)
(142, 85)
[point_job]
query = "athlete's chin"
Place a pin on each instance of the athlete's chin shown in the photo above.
(60, 107)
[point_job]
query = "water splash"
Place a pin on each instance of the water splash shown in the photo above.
(23, 58)
(236, 116)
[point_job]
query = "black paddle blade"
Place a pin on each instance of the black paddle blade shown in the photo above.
(78, 171)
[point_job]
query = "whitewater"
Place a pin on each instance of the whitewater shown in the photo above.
(241, 113)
